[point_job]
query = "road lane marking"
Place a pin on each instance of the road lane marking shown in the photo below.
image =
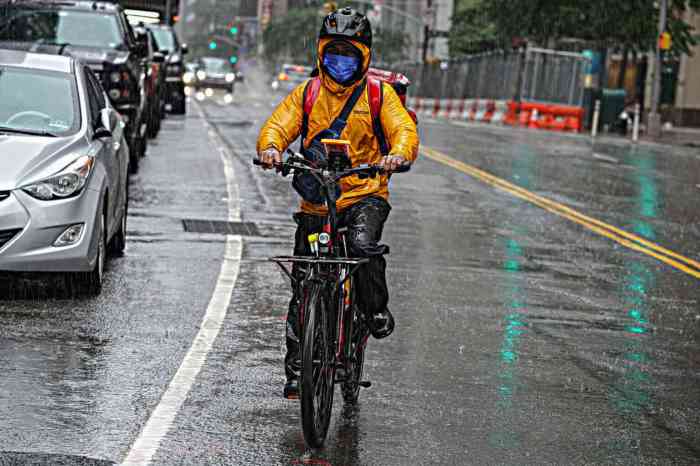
(159, 423)
(629, 240)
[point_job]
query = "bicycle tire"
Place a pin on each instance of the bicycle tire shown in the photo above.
(318, 367)
(351, 385)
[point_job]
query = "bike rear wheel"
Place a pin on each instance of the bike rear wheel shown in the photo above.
(318, 366)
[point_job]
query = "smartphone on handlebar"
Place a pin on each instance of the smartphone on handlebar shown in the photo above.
(337, 153)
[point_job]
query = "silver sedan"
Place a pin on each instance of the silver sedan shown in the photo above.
(63, 169)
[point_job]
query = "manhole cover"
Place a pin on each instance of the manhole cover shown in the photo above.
(221, 227)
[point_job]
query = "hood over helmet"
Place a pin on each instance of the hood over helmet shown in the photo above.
(344, 27)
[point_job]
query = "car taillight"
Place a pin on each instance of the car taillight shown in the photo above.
(283, 77)
(119, 84)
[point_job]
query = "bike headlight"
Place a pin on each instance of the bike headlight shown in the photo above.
(230, 77)
(66, 183)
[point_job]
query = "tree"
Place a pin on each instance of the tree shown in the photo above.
(628, 24)
(472, 29)
(293, 38)
(389, 47)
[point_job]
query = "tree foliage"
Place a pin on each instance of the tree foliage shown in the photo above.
(631, 24)
(293, 36)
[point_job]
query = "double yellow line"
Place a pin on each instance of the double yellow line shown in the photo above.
(629, 240)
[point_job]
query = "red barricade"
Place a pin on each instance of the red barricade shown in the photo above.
(551, 117)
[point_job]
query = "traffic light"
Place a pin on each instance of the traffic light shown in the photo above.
(233, 30)
(233, 59)
(213, 45)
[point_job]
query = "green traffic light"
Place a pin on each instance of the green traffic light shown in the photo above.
(234, 30)
(212, 45)
(233, 59)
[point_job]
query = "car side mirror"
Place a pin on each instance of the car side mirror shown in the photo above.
(158, 57)
(107, 123)
(184, 49)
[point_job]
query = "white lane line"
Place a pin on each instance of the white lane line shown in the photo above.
(159, 423)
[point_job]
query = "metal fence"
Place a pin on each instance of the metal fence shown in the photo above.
(534, 75)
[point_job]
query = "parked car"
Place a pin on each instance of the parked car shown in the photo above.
(154, 84)
(290, 76)
(174, 51)
(215, 73)
(97, 33)
(63, 170)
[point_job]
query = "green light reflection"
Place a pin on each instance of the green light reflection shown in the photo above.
(514, 323)
(631, 392)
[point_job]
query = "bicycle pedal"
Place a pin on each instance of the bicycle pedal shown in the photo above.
(365, 384)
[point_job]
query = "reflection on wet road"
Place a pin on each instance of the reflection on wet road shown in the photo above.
(523, 336)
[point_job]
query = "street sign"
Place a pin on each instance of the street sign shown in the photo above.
(665, 41)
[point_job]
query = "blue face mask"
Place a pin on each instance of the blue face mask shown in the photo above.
(340, 67)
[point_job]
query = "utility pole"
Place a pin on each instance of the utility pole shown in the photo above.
(426, 29)
(168, 15)
(654, 121)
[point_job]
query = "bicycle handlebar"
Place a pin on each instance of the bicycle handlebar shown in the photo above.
(297, 162)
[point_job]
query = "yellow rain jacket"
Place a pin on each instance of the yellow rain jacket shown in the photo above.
(284, 127)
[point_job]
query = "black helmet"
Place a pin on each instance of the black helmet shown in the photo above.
(349, 24)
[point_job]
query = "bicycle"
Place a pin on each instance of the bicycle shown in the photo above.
(330, 353)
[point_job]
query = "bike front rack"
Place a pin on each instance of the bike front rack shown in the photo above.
(355, 262)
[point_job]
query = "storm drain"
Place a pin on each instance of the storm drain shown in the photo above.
(221, 227)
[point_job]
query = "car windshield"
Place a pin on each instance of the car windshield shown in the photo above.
(37, 101)
(165, 39)
(215, 65)
(80, 28)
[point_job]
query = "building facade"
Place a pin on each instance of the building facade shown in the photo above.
(687, 105)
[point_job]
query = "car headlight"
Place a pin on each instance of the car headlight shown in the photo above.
(230, 77)
(201, 75)
(188, 77)
(66, 183)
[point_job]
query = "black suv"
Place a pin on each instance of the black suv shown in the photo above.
(167, 42)
(98, 34)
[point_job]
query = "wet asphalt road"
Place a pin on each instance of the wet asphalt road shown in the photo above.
(522, 338)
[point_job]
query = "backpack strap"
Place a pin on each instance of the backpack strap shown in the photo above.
(311, 91)
(376, 98)
(341, 120)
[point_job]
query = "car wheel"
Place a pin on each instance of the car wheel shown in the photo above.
(178, 107)
(153, 125)
(143, 145)
(90, 283)
(133, 161)
(118, 243)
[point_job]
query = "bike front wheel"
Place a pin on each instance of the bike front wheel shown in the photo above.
(318, 366)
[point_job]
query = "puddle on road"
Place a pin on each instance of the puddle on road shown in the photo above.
(636, 366)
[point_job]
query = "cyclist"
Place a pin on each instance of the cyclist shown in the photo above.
(344, 55)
